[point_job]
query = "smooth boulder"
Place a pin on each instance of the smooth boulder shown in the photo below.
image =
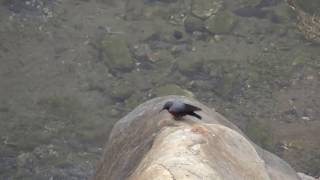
(149, 145)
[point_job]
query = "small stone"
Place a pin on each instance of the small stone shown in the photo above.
(306, 118)
(177, 35)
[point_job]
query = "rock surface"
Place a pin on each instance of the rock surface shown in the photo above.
(147, 144)
(306, 177)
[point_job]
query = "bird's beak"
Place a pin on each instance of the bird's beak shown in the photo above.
(161, 110)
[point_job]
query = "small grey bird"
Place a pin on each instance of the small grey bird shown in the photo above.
(179, 109)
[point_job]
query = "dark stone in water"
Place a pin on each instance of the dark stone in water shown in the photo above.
(178, 35)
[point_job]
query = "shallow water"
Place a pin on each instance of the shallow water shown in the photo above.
(69, 70)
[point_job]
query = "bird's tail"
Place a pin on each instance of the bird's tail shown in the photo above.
(195, 115)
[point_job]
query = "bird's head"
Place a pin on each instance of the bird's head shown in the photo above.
(167, 106)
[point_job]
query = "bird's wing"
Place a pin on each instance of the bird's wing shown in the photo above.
(190, 107)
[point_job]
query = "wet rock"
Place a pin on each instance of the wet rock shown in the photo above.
(116, 53)
(205, 8)
(148, 145)
(170, 89)
(221, 23)
(193, 24)
(177, 35)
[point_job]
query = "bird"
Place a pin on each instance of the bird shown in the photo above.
(179, 109)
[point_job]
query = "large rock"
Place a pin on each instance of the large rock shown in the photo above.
(146, 145)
